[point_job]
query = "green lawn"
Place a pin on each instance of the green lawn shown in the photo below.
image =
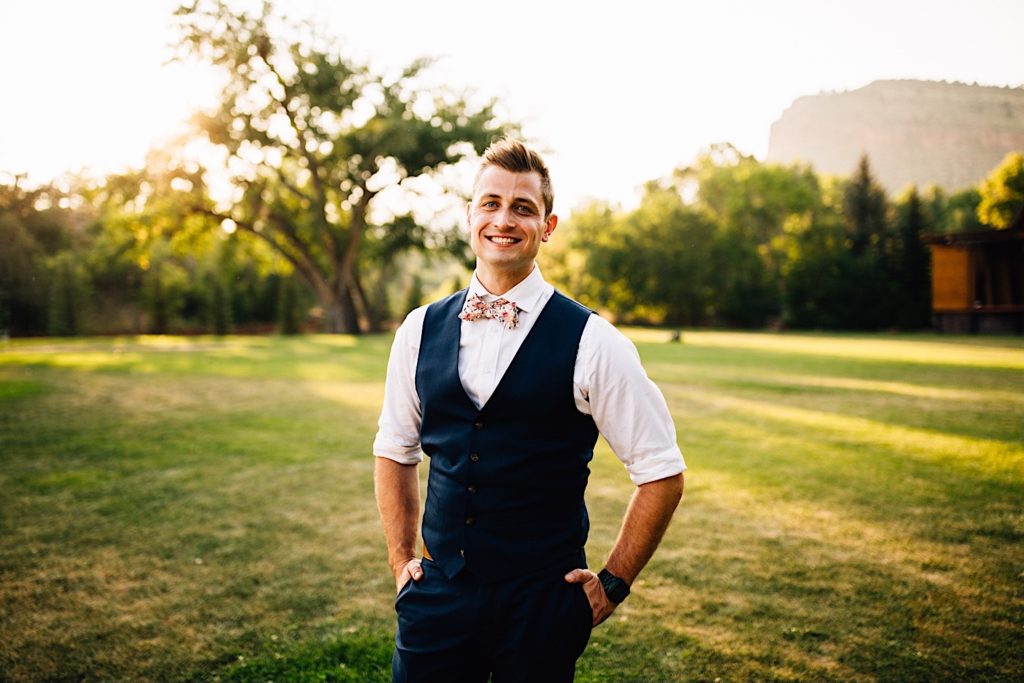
(179, 509)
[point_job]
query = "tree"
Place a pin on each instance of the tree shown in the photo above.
(69, 296)
(34, 230)
(912, 284)
(414, 294)
(866, 209)
(20, 309)
(149, 250)
(1002, 193)
(649, 265)
(746, 291)
(573, 257)
(671, 243)
(758, 209)
(290, 316)
(819, 290)
(954, 213)
(872, 265)
(312, 138)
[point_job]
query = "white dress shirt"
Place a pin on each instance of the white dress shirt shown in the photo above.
(610, 384)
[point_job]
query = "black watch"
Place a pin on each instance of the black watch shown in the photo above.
(615, 588)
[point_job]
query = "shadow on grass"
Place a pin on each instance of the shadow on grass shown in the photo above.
(625, 651)
(618, 652)
(347, 657)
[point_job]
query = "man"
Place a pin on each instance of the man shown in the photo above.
(506, 387)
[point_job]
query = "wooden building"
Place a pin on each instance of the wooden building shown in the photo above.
(978, 280)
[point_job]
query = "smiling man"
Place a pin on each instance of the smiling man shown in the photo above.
(506, 386)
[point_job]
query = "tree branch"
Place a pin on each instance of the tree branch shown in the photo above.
(320, 200)
(291, 187)
(302, 262)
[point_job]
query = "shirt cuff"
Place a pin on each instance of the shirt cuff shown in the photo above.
(405, 455)
(667, 463)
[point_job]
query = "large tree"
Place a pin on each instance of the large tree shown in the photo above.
(758, 210)
(312, 137)
(650, 264)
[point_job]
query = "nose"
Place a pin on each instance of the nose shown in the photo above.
(505, 218)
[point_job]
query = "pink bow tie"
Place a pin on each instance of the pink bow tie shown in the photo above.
(502, 310)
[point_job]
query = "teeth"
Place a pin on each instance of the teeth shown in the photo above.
(503, 240)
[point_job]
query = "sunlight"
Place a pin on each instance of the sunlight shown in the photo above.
(117, 95)
(908, 351)
(685, 88)
(994, 458)
(897, 388)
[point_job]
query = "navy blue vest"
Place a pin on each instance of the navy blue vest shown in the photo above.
(506, 483)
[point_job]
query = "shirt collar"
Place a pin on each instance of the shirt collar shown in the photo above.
(525, 295)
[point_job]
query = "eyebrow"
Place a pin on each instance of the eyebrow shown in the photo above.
(521, 199)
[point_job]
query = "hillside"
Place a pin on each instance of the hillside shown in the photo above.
(923, 132)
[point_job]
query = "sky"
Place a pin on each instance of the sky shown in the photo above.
(614, 93)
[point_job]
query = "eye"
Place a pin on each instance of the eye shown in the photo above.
(523, 209)
(490, 204)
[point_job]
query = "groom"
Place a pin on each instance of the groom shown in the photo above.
(506, 387)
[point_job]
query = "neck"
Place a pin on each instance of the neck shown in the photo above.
(497, 282)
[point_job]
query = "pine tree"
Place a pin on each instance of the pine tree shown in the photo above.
(871, 303)
(865, 209)
(911, 263)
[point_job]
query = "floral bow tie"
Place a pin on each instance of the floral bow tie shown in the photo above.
(502, 310)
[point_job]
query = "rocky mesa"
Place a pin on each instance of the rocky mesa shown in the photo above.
(921, 132)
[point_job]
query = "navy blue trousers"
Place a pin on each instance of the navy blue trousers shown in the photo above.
(530, 628)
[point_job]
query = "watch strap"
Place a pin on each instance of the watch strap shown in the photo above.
(615, 588)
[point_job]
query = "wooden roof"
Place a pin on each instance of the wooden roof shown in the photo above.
(1015, 233)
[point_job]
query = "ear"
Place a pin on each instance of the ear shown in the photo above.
(552, 223)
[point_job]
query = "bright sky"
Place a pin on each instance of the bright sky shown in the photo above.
(616, 92)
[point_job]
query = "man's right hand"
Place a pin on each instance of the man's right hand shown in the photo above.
(410, 569)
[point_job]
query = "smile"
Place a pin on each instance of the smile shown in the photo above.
(502, 239)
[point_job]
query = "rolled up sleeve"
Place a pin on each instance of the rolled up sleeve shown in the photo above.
(628, 408)
(398, 430)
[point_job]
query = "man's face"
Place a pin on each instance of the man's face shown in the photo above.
(506, 220)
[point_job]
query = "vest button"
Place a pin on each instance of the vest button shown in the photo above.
(478, 425)
(474, 457)
(471, 488)
(469, 521)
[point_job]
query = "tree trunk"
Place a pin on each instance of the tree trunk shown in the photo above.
(340, 312)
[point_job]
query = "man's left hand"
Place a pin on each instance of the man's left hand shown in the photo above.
(600, 605)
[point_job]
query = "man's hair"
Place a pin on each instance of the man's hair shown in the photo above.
(512, 155)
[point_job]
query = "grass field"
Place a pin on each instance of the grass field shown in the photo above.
(202, 509)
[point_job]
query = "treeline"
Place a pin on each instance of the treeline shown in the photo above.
(731, 241)
(72, 266)
(315, 148)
